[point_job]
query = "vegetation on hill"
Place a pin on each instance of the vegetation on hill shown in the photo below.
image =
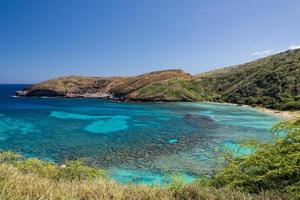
(272, 171)
(147, 79)
(170, 90)
(67, 85)
(271, 82)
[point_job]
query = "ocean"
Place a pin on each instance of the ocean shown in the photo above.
(134, 142)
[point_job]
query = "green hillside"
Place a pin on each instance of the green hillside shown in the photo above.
(271, 82)
(169, 90)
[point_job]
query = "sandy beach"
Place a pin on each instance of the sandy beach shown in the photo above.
(287, 115)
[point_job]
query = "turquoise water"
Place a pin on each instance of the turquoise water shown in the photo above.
(135, 142)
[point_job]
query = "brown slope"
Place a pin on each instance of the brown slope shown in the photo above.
(72, 86)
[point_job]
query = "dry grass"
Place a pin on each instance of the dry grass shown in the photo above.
(15, 185)
(81, 84)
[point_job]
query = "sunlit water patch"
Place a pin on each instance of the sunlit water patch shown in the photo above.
(138, 143)
(146, 177)
(172, 140)
(237, 149)
(65, 115)
(10, 126)
(100, 124)
(112, 124)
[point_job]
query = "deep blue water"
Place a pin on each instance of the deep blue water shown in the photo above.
(136, 142)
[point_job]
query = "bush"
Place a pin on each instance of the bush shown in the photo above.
(273, 166)
(71, 170)
(293, 105)
(39, 167)
(76, 170)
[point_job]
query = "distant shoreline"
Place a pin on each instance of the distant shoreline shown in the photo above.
(283, 114)
(286, 115)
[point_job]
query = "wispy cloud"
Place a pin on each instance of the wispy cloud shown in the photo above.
(263, 53)
(294, 47)
(271, 51)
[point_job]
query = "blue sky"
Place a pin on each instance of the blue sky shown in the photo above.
(41, 39)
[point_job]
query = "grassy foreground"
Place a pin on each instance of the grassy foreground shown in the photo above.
(16, 185)
(272, 172)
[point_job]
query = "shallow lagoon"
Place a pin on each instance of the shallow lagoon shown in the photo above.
(136, 142)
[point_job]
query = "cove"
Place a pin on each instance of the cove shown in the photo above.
(135, 142)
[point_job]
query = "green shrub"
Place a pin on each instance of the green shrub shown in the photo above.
(9, 156)
(273, 166)
(39, 167)
(292, 105)
(177, 182)
(71, 170)
(76, 170)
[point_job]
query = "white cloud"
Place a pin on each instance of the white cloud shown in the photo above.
(294, 47)
(271, 51)
(263, 53)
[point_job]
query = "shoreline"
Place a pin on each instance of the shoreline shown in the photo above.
(286, 115)
(282, 114)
